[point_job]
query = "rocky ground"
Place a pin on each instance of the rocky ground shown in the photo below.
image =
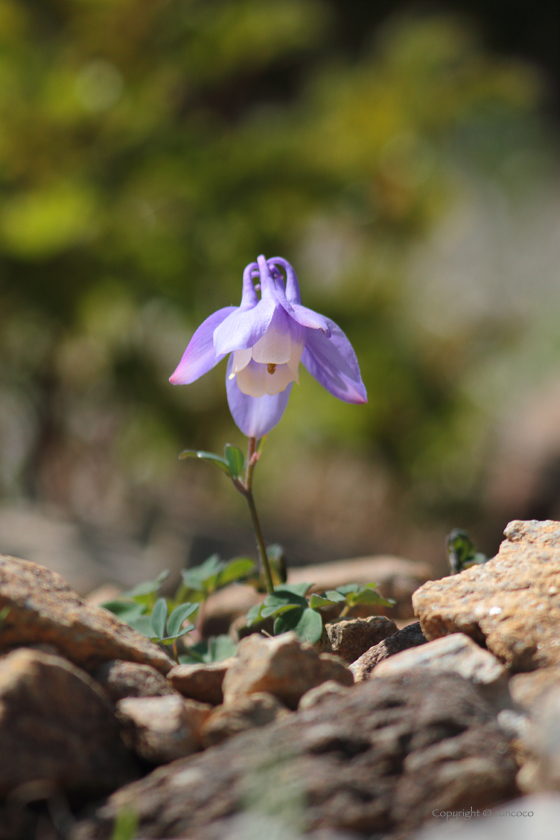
(375, 732)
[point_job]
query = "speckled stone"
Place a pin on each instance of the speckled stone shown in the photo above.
(43, 609)
(511, 604)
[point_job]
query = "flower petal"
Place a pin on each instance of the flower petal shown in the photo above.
(310, 319)
(333, 363)
(275, 345)
(255, 416)
(244, 327)
(200, 355)
(252, 379)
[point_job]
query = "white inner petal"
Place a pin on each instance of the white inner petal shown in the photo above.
(294, 360)
(274, 347)
(241, 359)
(252, 380)
(279, 380)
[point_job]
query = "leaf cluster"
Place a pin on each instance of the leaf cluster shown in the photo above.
(161, 619)
(291, 609)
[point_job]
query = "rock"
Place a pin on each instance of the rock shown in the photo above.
(376, 760)
(536, 817)
(321, 692)
(409, 637)
(457, 653)
(161, 729)
(43, 609)
(350, 638)
(200, 682)
(526, 689)
(396, 577)
(56, 725)
(511, 604)
(281, 666)
(129, 679)
(541, 767)
(248, 712)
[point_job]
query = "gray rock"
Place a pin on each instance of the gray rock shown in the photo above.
(350, 638)
(410, 636)
(376, 760)
(161, 729)
(43, 609)
(457, 653)
(281, 666)
(129, 679)
(249, 712)
(510, 605)
(200, 682)
(56, 725)
(320, 693)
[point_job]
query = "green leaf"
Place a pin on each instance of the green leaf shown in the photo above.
(318, 601)
(211, 457)
(235, 460)
(278, 609)
(254, 615)
(178, 616)
(348, 587)
(295, 588)
(147, 587)
(200, 577)
(281, 596)
(221, 647)
(143, 625)
(334, 595)
(158, 617)
(216, 649)
(236, 569)
(307, 623)
(167, 640)
(125, 610)
(369, 596)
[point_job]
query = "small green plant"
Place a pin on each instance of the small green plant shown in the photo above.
(291, 609)
(162, 619)
(462, 553)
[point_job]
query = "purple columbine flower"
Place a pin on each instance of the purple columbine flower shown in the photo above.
(267, 339)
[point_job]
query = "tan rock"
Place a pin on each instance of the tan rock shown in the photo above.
(42, 608)
(526, 689)
(200, 682)
(316, 695)
(282, 666)
(247, 712)
(511, 604)
(56, 725)
(456, 653)
(350, 638)
(405, 638)
(122, 679)
(161, 729)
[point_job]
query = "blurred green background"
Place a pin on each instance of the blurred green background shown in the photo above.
(403, 158)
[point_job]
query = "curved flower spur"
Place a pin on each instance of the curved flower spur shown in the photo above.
(267, 339)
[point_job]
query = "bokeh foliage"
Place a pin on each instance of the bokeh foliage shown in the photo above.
(149, 149)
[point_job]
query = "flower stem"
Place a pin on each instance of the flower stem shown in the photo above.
(246, 490)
